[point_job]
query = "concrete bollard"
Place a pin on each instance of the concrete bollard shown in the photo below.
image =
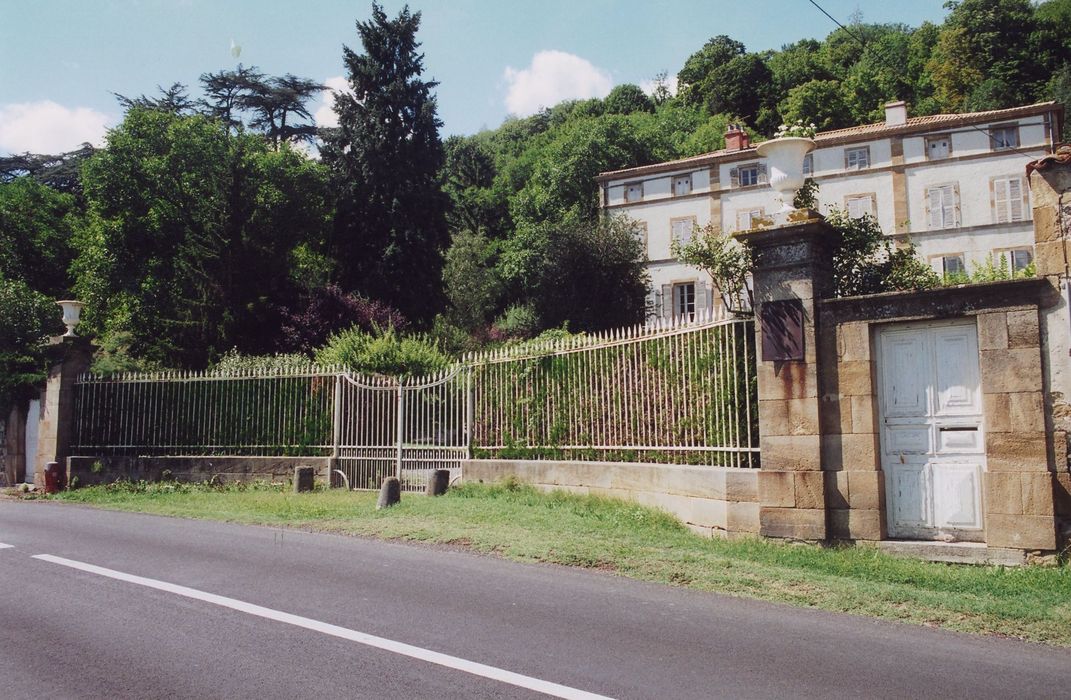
(55, 478)
(390, 493)
(438, 482)
(303, 479)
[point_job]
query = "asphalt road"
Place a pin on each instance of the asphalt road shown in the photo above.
(228, 611)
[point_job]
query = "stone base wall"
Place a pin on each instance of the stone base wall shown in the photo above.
(714, 501)
(83, 471)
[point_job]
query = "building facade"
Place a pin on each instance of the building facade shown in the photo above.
(954, 184)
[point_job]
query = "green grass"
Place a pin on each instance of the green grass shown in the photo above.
(516, 522)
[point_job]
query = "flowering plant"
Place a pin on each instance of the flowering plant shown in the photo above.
(797, 130)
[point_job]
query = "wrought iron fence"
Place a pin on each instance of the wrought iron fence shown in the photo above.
(679, 392)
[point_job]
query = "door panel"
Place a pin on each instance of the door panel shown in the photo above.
(957, 495)
(959, 439)
(904, 381)
(907, 440)
(933, 446)
(907, 484)
(957, 373)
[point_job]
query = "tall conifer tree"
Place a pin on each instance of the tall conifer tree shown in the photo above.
(390, 225)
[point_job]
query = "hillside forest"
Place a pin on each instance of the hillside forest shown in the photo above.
(217, 222)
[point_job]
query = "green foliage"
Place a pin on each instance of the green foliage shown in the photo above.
(724, 78)
(626, 99)
(36, 226)
(390, 225)
(866, 262)
(26, 319)
(822, 102)
(385, 352)
(234, 361)
(588, 274)
(470, 279)
(188, 233)
(995, 268)
(723, 258)
(113, 356)
(518, 321)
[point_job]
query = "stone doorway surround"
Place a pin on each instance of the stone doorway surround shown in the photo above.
(1021, 448)
(821, 476)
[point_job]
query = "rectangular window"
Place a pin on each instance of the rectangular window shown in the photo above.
(681, 229)
(682, 185)
(938, 147)
(1017, 258)
(747, 219)
(634, 192)
(859, 205)
(749, 175)
(684, 300)
(1004, 137)
(857, 158)
(943, 203)
(953, 264)
(808, 165)
(1007, 200)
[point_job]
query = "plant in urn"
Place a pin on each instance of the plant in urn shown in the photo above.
(784, 155)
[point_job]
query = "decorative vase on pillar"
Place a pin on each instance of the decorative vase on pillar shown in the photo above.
(72, 311)
(784, 158)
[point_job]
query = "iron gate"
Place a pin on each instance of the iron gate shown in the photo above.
(407, 428)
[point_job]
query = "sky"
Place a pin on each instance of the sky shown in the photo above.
(62, 60)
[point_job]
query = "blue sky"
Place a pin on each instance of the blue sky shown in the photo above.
(60, 60)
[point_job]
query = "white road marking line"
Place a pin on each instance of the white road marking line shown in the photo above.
(472, 667)
(6, 546)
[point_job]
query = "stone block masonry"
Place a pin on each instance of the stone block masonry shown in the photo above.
(713, 501)
(92, 471)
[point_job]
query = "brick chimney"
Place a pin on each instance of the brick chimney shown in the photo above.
(895, 113)
(736, 139)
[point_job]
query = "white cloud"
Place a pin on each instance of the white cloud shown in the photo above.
(552, 77)
(325, 115)
(47, 127)
(648, 86)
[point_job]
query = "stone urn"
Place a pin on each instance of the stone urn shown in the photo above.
(72, 312)
(784, 158)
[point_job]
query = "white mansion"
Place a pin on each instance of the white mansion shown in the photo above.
(955, 184)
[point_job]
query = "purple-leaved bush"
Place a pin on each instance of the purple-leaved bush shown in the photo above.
(306, 324)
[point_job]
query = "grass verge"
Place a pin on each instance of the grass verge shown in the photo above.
(518, 522)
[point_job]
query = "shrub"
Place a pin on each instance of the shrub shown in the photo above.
(308, 323)
(383, 352)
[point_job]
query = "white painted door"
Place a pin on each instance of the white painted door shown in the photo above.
(33, 415)
(932, 444)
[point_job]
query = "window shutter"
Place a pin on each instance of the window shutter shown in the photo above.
(1000, 200)
(1015, 199)
(762, 173)
(702, 300)
(734, 177)
(956, 214)
(667, 302)
(933, 207)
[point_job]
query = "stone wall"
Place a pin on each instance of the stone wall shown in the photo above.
(1020, 480)
(90, 471)
(715, 501)
(1050, 190)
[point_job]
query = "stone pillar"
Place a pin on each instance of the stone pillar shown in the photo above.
(1050, 193)
(793, 270)
(15, 446)
(69, 357)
